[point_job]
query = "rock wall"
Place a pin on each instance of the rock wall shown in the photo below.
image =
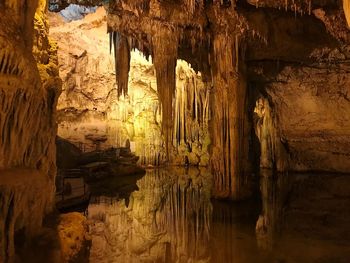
(90, 108)
(27, 122)
(306, 119)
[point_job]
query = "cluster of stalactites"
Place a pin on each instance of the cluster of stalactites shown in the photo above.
(197, 5)
(122, 60)
(192, 5)
(191, 110)
(135, 6)
(298, 6)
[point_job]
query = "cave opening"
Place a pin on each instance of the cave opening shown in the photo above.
(174, 131)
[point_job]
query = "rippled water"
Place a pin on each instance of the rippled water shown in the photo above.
(171, 218)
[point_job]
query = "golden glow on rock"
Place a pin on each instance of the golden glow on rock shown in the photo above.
(71, 232)
(346, 7)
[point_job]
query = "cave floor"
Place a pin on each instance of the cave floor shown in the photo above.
(171, 218)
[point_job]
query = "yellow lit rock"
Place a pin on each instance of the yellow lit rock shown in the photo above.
(71, 231)
(346, 7)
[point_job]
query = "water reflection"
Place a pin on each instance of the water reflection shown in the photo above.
(167, 220)
(171, 218)
(274, 190)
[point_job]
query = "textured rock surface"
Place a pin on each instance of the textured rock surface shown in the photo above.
(27, 121)
(25, 197)
(72, 230)
(311, 108)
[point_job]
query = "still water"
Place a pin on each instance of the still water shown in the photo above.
(171, 218)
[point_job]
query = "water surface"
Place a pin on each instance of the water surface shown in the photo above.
(171, 218)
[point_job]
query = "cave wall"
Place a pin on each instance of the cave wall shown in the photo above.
(29, 87)
(310, 108)
(91, 107)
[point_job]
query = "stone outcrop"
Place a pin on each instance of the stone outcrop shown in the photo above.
(25, 198)
(29, 88)
(72, 230)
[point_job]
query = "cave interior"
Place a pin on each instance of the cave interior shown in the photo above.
(175, 131)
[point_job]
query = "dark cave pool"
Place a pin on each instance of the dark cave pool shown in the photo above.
(172, 218)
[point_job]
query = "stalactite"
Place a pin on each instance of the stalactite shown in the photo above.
(191, 114)
(121, 60)
(165, 55)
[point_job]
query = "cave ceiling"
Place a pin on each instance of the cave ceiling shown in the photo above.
(286, 30)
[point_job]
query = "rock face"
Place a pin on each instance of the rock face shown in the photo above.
(25, 198)
(90, 109)
(305, 120)
(27, 121)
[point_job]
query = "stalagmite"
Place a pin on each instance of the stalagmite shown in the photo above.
(273, 153)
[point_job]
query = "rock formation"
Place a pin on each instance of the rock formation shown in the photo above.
(28, 93)
(252, 53)
(195, 82)
(92, 107)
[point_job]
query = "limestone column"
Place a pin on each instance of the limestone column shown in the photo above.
(229, 122)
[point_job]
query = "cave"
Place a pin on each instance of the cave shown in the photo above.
(175, 131)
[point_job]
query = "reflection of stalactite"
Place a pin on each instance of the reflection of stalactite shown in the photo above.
(167, 220)
(186, 205)
(184, 214)
(229, 129)
(121, 60)
(274, 191)
(165, 55)
(232, 233)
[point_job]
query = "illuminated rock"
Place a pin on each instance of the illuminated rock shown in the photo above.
(28, 94)
(90, 105)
